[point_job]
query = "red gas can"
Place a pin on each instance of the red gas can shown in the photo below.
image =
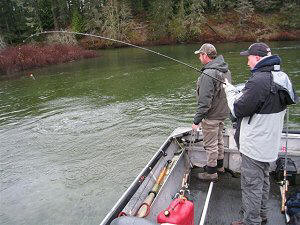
(180, 212)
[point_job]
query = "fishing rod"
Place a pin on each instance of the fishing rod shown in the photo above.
(125, 43)
(285, 183)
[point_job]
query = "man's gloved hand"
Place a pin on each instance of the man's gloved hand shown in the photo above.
(228, 87)
(231, 93)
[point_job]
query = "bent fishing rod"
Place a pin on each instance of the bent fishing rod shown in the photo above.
(125, 43)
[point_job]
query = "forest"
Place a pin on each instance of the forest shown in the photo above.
(139, 22)
(150, 21)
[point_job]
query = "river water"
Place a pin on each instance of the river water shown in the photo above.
(74, 139)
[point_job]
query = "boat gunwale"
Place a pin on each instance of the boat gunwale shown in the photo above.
(131, 190)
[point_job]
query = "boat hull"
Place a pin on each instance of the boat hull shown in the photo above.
(180, 149)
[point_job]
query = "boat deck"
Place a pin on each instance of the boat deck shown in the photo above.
(225, 200)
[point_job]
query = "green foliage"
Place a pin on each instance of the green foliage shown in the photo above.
(160, 15)
(92, 14)
(45, 14)
(266, 6)
(177, 24)
(16, 20)
(195, 18)
(179, 20)
(218, 5)
(140, 6)
(245, 9)
(61, 13)
(288, 21)
(115, 19)
(77, 23)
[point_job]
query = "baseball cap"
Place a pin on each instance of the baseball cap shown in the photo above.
(208, 49)
(259, 49)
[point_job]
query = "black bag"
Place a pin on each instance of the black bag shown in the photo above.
(293, 208)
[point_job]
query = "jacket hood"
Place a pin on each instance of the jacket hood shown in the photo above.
(217, 64)
(268, 63)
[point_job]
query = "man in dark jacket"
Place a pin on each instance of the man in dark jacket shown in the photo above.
(260, 110)
(212, 109)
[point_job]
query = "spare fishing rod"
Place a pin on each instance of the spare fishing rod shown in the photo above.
(125, 43)
(285, 182)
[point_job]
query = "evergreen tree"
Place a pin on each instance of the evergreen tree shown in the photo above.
(77, 22)
(195, 18)
(160, 15)
(245, 9)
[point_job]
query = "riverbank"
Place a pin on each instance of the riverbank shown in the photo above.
(30, 56)
(218, 28)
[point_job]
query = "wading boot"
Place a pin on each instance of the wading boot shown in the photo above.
(221, 170)
(220, 167)
(208, 176)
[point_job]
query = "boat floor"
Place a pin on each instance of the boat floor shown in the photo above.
(225, 202)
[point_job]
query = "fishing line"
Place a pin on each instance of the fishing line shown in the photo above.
(125, 43)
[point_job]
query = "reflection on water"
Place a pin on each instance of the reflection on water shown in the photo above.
(74, 139)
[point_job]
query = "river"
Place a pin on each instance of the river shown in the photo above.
(75, 137)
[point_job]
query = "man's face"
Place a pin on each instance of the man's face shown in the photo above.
(202, 58)
(253, 60)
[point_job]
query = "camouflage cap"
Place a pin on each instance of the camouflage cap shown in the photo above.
(208, 49)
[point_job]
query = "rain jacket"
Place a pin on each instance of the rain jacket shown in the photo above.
(260, 110)
(212, 103)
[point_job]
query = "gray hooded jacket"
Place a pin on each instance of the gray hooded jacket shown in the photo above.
(212, 103)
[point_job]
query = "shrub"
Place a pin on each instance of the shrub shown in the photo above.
(177, 25)
(14, 59)
(77, 22)
(245, 10)
(160, 15)
(195, 18)
(61, 38)
(115, 20)
(288, 21)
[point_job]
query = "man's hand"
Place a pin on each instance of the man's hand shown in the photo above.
(195, 127)
(226, 83)
(231, 95)
(228, 87)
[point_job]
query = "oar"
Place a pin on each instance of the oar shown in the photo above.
(145, 206)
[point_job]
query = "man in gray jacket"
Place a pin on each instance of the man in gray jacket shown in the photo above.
(259, 109)
(212, 109)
